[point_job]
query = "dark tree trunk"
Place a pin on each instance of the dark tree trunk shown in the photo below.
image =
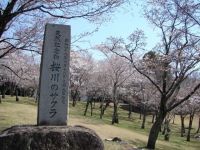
(3, 94)
(190, 126)
(74, 95)
(101, 113)
(167, 133)
(12, 92)
(166, 130)
(182, 125)
(91, 107)
(144, 118)
(115, 114)
(107, 104)
(153, 118)
(12, 89)
(198, 126)
(0, 98)
(114, 99)
(130, 111)
(24, 92)
(164, 127)
(86, 108)
(73, 99)
(153, 135)
(140, 114)
(102, 108)
(3, 91)
(73, 102)
(17, 98)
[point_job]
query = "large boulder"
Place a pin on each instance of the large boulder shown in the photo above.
(50, 138)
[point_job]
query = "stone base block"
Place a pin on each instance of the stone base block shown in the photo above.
(29, 137)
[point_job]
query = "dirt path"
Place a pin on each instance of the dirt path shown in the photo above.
(109, 131)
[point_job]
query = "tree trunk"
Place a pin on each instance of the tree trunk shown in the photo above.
(114, 98)
(153, 118)
(166, 130)
(143, 120)
(102, 108)
(130, 110)
(73, 102)
(182, 125)
(115, 114)
(3, 91)
(0, 98)
(190, 126)
(101, 113)
(167, 133)
(153, 135)
(74, 95)
(91, 107)
(164, 127)
(74, 99)
(24, 92)
(86, 108)
(17, 98)
(12, 91)
(140, 114)
(198, 126)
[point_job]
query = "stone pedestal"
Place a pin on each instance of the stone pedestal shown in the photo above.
(49, 138)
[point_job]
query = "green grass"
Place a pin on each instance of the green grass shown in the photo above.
(17, 113)
(134, 125)
(25, 112)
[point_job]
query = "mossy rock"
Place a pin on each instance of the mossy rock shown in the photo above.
(50, 138)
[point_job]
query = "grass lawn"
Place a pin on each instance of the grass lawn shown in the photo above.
(25, 112)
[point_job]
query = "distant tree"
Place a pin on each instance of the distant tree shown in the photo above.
(118, 72)
(102, 82)
(80, 67)
(132, 92)
(94, 90)
(192, 106)
(198, 128)
(18, 73)
(180, 110)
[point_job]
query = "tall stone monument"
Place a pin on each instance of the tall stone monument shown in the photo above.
(54, 76)
(50, 131)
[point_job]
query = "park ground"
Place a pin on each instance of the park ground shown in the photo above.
(25, 112)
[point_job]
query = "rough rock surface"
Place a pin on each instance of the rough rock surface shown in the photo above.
(49, 138)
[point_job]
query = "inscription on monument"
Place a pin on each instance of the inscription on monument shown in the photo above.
(54, 76)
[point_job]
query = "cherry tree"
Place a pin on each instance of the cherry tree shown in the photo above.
(118, 71)
(94, 88)
(101, 81)
(20, 73)
(22, 21)
(198, 123)
(80, 67)
(191, 107)
(178, 56)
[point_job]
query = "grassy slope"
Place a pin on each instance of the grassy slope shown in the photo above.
(24, 112)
